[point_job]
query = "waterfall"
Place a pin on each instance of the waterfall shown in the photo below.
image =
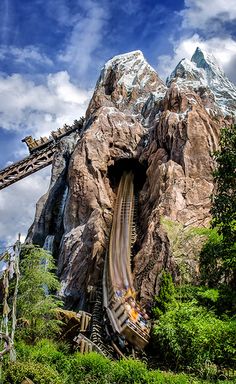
(48, 243)
(62, 205)
(48, 246)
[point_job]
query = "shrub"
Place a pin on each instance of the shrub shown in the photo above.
(129, 372)
(91, 368)
(45, 351)
(189, 336)
(166, 295)
(15, 373)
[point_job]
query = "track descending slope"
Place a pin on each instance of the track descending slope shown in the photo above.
(118, 287)
(120, 238)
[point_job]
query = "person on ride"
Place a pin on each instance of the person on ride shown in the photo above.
(133, 312)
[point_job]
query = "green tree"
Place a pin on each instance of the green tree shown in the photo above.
(224, 199)
(166, 295)
(36, 303)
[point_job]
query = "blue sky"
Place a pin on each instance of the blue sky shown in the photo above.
(51, 54)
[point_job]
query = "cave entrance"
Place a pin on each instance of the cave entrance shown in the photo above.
(116, 170)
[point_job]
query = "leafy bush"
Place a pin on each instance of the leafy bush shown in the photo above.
(46, 351)
(221, 300)
(91, 368)
(15, 373)
(166, 295)
(210, 259)
(130, 372)
(191, 336)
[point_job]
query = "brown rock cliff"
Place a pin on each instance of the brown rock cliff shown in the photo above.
(132, 120)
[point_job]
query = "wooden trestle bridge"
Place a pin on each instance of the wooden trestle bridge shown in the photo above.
(41, 155)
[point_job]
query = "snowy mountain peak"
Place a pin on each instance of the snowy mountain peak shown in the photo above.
(128, 57)
(204, 71)
(127, 82)
(207, 61)
(131, 69)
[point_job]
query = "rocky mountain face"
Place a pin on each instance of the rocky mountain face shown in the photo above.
(166, 135)
(206, 78)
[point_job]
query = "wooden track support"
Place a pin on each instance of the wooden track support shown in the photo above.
(27, 166)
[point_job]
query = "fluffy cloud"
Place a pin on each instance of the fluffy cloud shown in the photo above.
(85, 38)
(199, 14)
(211, 22)
(38, 109)
(26, 55)
(17, 205)
(33, 109)
(224, 50)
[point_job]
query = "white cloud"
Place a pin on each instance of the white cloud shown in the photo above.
(86, 37)
(25, 55)
(224, 50)
(201, 14)
(17, 205)
(210, 20)
(38, 109)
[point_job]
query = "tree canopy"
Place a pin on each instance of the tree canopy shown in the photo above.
(224, 199)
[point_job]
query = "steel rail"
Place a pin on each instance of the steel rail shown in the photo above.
(117, 275)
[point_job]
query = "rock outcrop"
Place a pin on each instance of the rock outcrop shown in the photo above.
(133, 118)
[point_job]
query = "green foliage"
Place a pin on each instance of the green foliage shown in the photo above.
(224, 203)
(47, 362)
(44, 351)
(189, 335)
(36, 307)
(130, 372)
(207, 297)
(166, 295)
(89, 368)
(15, 373)
(210, 259)
(224, 200)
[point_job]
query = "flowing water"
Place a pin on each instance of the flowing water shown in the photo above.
(48, 243)
(48, 246)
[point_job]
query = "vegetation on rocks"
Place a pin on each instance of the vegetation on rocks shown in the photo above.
(37, 365)
(194, 327)
(189, 335)
(193, 335)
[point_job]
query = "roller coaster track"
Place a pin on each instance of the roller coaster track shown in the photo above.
(27, 166)
(117, 271)
(41, 154)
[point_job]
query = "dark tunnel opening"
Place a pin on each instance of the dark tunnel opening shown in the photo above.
(116, 170)
(139, 169)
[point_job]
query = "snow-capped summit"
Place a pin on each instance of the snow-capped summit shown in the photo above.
(126, 82)
(132, 67)
(208, 62)
(204, 71)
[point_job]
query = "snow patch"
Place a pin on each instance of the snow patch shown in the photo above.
(203, 71)
(134, 69)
